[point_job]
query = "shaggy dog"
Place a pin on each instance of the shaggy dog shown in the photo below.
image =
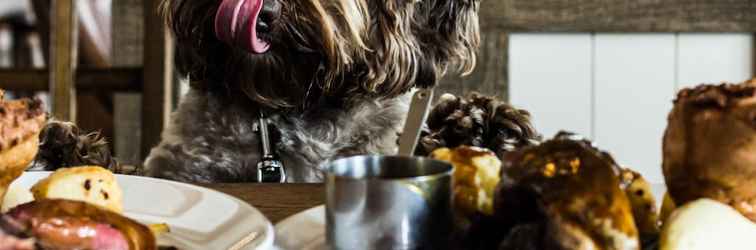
(332, 76)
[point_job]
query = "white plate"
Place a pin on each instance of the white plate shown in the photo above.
(306, 230)
(302, 231)
(199, 218)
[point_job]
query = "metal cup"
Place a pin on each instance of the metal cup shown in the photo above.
(388, 203)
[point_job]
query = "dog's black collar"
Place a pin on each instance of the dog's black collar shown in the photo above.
(269, 169)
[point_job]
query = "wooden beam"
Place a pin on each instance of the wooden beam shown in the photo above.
(127, 79)
(490, 76)
(158, 77)
(42, 13)
(620, 15)
(128, 22)
(63, 55)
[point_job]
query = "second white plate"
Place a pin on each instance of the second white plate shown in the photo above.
(306, 230)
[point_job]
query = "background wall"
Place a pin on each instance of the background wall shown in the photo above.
(617, 89)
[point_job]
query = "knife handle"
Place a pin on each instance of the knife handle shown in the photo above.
(416, 116)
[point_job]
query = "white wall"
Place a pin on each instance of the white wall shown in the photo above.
(618, 88)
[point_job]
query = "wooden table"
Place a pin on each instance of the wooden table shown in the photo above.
(276, 201)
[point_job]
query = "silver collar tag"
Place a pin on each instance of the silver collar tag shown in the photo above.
(270, 169)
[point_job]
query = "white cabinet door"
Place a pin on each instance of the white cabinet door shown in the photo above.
(713, 58)
(551, 78)
(634, 77)
(618, 88)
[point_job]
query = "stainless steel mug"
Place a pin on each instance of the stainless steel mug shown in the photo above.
(388, 203)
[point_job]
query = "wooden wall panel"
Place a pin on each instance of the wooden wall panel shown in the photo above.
(128, 25)
(63, 59)
(621, 15)
(490, 75)
(157, 91)
(551, 76)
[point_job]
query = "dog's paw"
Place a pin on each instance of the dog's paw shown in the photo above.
(63, 144)
(477, 120)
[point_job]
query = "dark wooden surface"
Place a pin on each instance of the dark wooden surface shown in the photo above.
(63, 60)
(276, 201)
(157, 86)
(620, 15)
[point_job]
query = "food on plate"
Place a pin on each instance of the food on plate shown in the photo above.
(68, 224)
(15, 196)
(642, 201)
(160, 228)
(710, 144)
(91, 184)
(707, 224)
(563, 194)
(476, 174)
(20, 124)
(668, 206)
(478, 121)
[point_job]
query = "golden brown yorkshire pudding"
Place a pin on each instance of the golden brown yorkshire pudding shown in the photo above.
(564, 194)
(20, 124)
(710, 146)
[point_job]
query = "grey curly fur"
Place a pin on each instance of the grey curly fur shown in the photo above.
(335, 82)
(208, 141)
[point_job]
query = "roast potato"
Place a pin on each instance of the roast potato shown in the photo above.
(705, 225)
(92, 184)
(642, 201)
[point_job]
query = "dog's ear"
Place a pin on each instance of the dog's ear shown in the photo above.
(191, 22)
(451, 29)
(395, 60)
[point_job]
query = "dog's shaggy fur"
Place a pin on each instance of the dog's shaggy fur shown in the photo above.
(334, 83)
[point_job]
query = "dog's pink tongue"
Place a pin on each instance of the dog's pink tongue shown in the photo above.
(236, 24)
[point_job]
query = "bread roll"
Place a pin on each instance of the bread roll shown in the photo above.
(91, 184)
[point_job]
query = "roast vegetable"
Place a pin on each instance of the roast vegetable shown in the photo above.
(667, 208)
(15, 196)
(160, 228)
(642, 201)
(706, 224)
(92, 184)
(564, 194)
(476, 174)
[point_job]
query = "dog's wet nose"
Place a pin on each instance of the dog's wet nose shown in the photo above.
(270, 12)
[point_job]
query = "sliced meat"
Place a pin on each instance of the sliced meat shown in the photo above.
(75, 233)
(13, 235)
(10, 242)
(66, 224)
